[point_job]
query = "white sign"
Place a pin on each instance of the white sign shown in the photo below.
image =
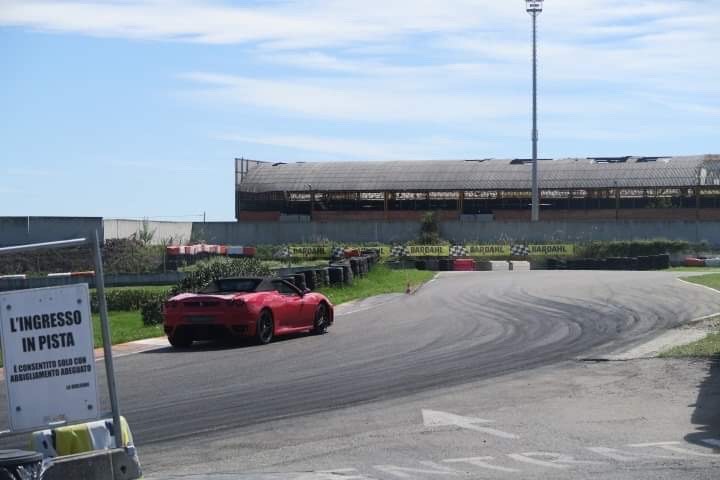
(47, 346)
(534, 6)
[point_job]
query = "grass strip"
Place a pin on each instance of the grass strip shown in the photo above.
(710, 345)
(125, 327)
(379, 281)
(712, 280)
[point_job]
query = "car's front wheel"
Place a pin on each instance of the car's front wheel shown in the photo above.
(265, 328)
(180, 338)
(322, 319)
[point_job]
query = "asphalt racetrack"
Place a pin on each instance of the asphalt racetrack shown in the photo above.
(461, 327)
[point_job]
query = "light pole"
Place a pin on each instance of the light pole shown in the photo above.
(534, 8)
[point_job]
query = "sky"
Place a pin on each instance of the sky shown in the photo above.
(137, 108)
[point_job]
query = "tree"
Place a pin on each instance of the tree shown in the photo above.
(429, 229)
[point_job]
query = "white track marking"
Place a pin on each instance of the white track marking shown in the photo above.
(407, 472)
(482, 462)
(435, 418)
(673, 447)
(556, 460)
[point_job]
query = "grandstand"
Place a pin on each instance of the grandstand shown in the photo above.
(599, 188)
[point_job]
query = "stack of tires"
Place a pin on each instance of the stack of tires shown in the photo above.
(445, 265)
(336, 275)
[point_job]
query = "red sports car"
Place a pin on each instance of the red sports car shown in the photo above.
(260, 308)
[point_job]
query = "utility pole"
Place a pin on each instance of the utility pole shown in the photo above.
(534, 8)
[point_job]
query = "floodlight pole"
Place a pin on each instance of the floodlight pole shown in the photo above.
(534, 8)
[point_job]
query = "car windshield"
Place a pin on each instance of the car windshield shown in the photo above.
(231, 285)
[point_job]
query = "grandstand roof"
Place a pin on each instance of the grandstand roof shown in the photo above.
(489, 174)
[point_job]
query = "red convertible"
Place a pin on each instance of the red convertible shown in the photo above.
(260, 308)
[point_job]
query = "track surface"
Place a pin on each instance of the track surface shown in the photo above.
(460, 328)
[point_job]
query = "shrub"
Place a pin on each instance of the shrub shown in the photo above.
(151, 310)
(632, 248)
(429, 229)
(220, 267)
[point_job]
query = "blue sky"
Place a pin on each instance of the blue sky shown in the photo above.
(136, 108)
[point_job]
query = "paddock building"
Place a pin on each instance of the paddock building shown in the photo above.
(598, 188)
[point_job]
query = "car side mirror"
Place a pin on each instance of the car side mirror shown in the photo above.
(305, 291)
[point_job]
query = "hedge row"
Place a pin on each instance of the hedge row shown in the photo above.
(636, 248)
(126, 299)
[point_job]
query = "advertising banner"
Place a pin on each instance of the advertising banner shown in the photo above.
(310, 251)
(488, 250)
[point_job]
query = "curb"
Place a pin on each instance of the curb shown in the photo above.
(699, 285)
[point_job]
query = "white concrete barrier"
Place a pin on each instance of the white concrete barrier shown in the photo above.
(499, 266)
(520, 265)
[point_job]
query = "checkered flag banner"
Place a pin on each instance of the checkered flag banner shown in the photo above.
(284, 252)
(458, 251)
(399, 251)
(337, 252)
(519, 251)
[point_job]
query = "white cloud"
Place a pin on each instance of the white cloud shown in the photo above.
(426, 148)
(425, 62)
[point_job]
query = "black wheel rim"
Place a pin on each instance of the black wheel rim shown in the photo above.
(321, 318)
(265, 328)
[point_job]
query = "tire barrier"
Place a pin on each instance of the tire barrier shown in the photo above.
(347, 272)
(463, 265)
(322, 276)
(336, 275)
(445, 265)
(649, 262)
(432, 265)
(300, 281)
(355, 266)
(483, 266)
(310, 281)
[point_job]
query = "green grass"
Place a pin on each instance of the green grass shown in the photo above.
(712, 280)
(380, 280)
(152, 288)
(695, 269)
(125, 327)
(708, 346)
(705, 348)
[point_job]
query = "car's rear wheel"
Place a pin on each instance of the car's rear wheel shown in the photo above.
(322, 319)
(180, 338)
(265, 328)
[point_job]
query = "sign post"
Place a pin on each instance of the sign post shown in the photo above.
(47, 344)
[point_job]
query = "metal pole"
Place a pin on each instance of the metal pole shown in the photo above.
(107, 345)
(75, 242)
(535, 190)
